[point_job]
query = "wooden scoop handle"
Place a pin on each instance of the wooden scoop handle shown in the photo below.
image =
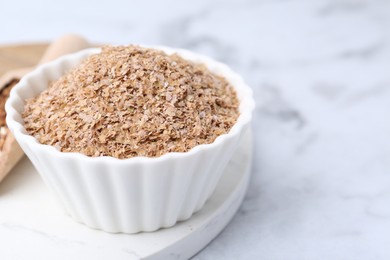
(64, 45)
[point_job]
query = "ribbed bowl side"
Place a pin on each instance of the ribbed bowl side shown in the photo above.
(132, 198)
(126, 190)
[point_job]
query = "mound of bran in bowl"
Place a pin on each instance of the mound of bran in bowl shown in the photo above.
(130, 101)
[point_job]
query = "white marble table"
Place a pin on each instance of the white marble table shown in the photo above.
(320, 70)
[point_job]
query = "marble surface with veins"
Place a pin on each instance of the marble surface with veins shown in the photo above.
(320, 71)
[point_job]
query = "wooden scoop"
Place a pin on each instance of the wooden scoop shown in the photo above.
(10, 152)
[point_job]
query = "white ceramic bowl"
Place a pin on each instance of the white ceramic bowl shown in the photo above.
(135, 194)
